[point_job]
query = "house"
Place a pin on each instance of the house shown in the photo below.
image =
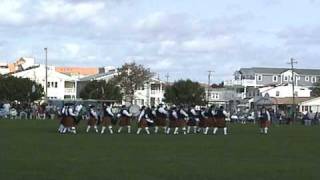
(222, 96)
(247, 79)
(59, 86)
(151, 93)
(310, 105)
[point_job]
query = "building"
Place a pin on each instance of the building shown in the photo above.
(310, 105)
(151, 93)
(78, 71)
(4, 68)
(60, 86)
(249, 79)
(222, 96)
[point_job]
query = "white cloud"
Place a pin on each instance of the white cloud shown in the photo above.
(11, 12)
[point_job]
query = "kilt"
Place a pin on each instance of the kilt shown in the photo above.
(68, 121)
(143, 123)
(106, 121)
(192, 122)
(124, 121)
(160, 121)
(92, 121)
(220, 122)
(264, 123)
(202, 122)
(181, 123)
(173, 123)
(209, 122)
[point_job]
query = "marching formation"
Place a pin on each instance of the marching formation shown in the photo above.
(162, 119)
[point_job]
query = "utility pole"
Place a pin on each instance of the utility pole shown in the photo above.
(293, 115)
(209, 83)
(167, 78)
(46, 64)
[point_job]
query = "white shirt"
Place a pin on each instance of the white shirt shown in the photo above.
(142, 113)
(108, 109)
(268, 115)
(93, 113)
(70, 112)
(125, 112)
(183, 113)
(174, 114)
(193, 112)
(162, 110)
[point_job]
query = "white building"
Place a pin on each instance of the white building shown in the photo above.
(60, 86)
(312, 104)
(4, 69)
(152, 93)
(285, 91)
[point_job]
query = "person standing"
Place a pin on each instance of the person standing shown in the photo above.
(93, 119)
(125, 117)
(264, 117)
(107, 118)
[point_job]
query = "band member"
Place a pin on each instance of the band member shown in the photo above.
(93, 119)
(264, 117)
(182, 121)
(209, 122)
(62, 116)
(220, 120)
(107, 118)
(173, 119)
(143, 120)
(193, 119)
(125, 117)
(161, 118)
(68, 119)
(202, 120)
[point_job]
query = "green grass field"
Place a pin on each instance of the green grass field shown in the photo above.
(32, 149)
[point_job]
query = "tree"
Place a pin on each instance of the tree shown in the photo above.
(19, 89)
(130, 76)
(315, 90)
(101, 90)
(185, 92)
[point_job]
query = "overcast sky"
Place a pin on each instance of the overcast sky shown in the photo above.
(184, 38)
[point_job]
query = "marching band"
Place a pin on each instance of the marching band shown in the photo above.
(174, 119)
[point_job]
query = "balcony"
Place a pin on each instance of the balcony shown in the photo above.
(242, 82)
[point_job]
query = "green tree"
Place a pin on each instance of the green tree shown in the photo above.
(20, 89)
(315, 90)
(101, 90)
(130, 76)
(185, 92)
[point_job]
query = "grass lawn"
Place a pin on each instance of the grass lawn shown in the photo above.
(32, 149)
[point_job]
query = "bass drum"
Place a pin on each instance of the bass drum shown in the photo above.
(134, 110)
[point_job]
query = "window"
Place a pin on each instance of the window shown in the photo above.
(52, 84)
(306, 78)
(277, 93)
(275, 78)
(286, 78)
(56, 84)
(48, 84)
(313, 79)
(259, 77)
(296, 93)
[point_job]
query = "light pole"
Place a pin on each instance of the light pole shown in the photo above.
(209, 82)
(293, 115)
(46, 81)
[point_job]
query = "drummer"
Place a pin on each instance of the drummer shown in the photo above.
(125, 117)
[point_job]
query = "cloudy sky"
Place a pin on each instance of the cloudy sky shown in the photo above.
(184, 38)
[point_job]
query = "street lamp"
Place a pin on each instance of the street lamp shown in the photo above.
(46, 64)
